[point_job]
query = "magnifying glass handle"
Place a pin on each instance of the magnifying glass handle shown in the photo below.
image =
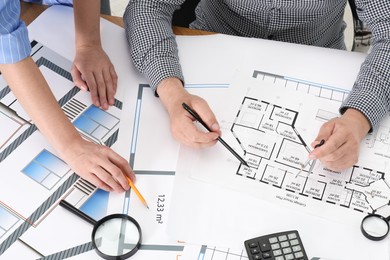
(77, 212)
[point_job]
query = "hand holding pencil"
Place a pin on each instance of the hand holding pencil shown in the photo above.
(139, 195)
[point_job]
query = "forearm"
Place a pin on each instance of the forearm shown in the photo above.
(152, 43)
(37, 99)
(87, 22)
(371, 92)
(171, 93)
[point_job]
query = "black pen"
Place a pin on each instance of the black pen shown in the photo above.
(197, 117)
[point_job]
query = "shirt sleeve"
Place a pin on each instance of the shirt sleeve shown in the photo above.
(371, 91)
(14, 41)
(151, 41)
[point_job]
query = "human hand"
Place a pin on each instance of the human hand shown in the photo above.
(93, 70)
(172, 95)
(99, 165)
(342, 140)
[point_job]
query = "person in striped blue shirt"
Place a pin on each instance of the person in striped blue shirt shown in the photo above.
(98, 164)
(92, 69)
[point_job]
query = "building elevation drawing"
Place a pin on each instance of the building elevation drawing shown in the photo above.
(32, 177)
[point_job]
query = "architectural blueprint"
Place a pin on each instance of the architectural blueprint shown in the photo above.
(160, 146)
(153, 156)
(272, 133)
(48, 179)
(33, 219)
(32, 177)
(272, 130)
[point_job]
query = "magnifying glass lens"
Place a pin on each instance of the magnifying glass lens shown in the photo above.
(116, 237)
(375, 226)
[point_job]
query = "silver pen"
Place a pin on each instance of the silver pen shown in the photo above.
(308, 161)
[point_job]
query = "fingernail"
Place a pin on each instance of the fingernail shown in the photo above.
(215, 127)
(83, 88)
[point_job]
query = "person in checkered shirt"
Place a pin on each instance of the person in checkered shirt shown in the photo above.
(318, 23)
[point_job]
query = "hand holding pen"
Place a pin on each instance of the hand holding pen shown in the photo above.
(343, 137)
(172, 94)
(199, 119)
(310, 159)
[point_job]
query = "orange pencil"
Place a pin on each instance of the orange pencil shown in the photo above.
(139, 195)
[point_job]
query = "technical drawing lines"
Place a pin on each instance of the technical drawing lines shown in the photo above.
(214, 253)
(73, 108)
(70, 252)
(88, 247)
(4, 92)
(57, 69)
(143, 172)
(7, 151)
(112, 139)
(85, 186)
(320, 90)
(118, 104)
(38, 213)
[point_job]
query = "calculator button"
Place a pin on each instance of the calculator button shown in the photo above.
(255, 251)
(292, 236)
(256, 257)
(264, 247)
(284, 244)
(282, 238)
(296, 248)
(277, 252)
(278, 246)
(267, 255)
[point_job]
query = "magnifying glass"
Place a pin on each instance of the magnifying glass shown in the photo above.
(375, 227)
(114, 237)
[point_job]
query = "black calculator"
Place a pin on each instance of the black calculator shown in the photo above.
(285, 245)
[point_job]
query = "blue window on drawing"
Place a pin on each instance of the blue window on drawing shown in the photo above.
(96, 122)
(46, 169)
(85, 124)
(97, 114)
(96, 205)
(7, 220)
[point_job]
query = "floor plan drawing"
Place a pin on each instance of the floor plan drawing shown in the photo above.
(273, 133)
(273, 147)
